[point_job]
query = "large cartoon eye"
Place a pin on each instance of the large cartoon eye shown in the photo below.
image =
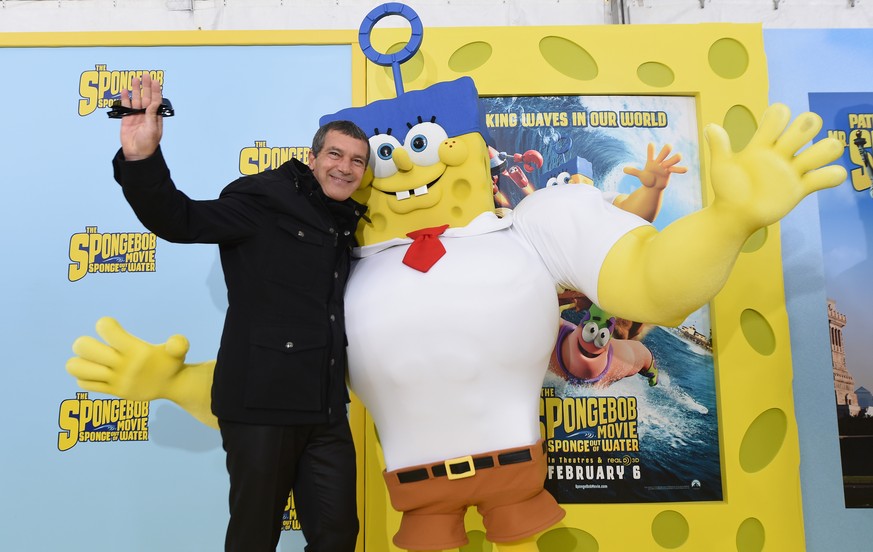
(561, 178)
(381, 155)
(423, 143)
(385, 150)
(589, 331)
(602, 338)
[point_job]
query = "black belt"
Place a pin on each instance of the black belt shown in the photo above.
(465, 466)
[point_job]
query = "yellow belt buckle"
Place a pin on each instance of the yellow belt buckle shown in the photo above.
(468, 460)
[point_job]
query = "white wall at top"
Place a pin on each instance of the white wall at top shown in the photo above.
(105, 15)
(143, 15)
(806, 14)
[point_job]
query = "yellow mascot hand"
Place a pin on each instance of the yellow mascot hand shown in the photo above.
(662, 277)
(130, 368)
(762, 183)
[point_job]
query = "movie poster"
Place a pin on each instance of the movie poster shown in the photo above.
(628, 409)
(846, 214)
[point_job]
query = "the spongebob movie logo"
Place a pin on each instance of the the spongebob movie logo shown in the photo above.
(289, 516)
(84, 420)
(588, 424)
(91, 251)
(100, 87)
(260, 157)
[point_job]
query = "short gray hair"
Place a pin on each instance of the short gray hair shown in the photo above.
(344, 127)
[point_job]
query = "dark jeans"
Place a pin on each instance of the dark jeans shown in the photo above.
(266, 462)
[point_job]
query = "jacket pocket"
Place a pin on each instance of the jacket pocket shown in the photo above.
(287, 368)
(298, 255)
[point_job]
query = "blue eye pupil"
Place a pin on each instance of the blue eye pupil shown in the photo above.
(385, 151)
(419, 143)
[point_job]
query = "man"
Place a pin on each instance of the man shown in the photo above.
(279, 389)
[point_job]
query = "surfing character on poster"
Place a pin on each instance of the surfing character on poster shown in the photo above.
(588, 354)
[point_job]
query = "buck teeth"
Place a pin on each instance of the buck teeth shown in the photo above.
(406, 194)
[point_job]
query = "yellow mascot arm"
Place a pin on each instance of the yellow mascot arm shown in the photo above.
(130, 368)
(662, 277)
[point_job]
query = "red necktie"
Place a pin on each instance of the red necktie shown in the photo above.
(425, 249)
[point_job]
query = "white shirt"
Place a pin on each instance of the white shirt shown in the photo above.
(450, 362)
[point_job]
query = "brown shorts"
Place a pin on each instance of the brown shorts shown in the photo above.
(507, 489)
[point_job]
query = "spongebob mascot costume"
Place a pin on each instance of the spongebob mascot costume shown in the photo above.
(457, 412)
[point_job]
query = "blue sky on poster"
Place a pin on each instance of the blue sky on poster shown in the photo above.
(801, 62)
(846, 218)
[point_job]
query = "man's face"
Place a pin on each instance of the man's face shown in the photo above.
(340, 165)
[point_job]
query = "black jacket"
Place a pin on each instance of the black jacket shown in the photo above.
(284, 250)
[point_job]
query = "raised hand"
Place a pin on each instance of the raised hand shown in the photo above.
(645, 201)
(141, 132)
(657, 170)
(762, 183)
(664, 276)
